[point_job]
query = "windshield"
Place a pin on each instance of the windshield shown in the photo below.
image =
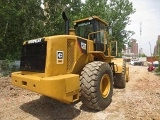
(83, 29)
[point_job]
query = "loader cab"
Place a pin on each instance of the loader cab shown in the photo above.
(93, 28)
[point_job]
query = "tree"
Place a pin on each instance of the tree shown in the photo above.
(116, 12)
(24, 20)
(158, 44)
(20, 21)
(118, 16)
(94, 7)
(74, 11)
(53, 8)
(53, 23)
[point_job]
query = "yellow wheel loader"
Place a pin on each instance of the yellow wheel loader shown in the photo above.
(77, 65)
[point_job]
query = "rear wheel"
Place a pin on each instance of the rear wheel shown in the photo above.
(120, 78)
(96, 85)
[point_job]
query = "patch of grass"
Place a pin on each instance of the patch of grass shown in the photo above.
(157, 73)
(6, 68)
(5, 73)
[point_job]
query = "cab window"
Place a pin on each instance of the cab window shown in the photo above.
(83, 29)
(100, 35)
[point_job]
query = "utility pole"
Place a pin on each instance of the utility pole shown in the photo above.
(150, 48)
(140, 39)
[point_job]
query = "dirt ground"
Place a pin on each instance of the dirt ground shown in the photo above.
(140, 100)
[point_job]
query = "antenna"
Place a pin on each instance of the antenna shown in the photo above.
(140, 49)
(140, 29)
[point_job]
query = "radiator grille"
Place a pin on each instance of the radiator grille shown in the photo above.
(33, 57)
(70, 54)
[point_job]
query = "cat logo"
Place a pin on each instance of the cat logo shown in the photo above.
(83, 46)
(60, 57)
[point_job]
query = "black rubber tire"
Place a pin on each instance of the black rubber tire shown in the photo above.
(120, 78)
(91, 79)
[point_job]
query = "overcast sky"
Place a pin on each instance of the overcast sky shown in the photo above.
(148, 14)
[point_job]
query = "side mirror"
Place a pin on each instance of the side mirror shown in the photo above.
(113, 45)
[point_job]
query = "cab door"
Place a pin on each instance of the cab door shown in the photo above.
(100, 42)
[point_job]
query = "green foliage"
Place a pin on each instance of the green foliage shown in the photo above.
(20, 21)
(94, 7)
(24, 20)
(54, 23)
(6, 67)
(142, 55)
(158, 44)
(116, 12)
(119, 11)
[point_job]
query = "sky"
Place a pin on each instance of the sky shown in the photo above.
(148, 14)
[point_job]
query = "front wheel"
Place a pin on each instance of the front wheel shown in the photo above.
(96, 85)
(120, 78)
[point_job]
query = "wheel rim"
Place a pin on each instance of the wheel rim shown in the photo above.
(105, 85)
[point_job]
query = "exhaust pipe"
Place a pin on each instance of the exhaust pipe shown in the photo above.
(66, 23)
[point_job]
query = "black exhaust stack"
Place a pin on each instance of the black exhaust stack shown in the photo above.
(66, 23)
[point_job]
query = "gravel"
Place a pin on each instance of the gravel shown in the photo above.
(140, 100)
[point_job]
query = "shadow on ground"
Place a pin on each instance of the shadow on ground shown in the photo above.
(48, 109)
